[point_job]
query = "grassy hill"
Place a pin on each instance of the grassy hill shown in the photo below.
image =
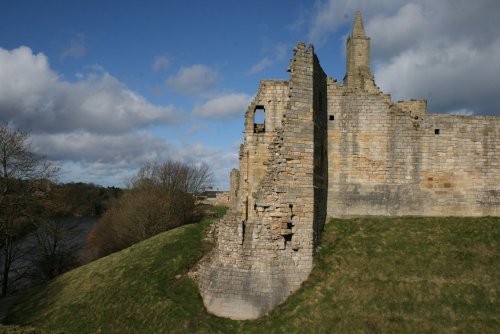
(371, 275)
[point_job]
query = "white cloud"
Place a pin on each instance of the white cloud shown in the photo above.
(452, 77)
(328, 16)
(463, 112)
(282, 50)
(34, 97)
(194, 129)
(76, 48)
(126, 150)
(396, 33)
(108, 159)
(161, 63)
(113, 159)
(195, 79)
(275, 54)
(432, 56)
(260, 66)
(225, 106)
(95, 127)
(219, 161)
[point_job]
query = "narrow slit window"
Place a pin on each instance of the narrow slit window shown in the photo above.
(332, 117)
(243, 227)
(259, 120)
(436, 131)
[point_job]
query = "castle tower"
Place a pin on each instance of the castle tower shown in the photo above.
(342, 150)
(358, 74)
(265, 244)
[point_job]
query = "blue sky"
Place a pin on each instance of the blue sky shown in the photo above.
(104, 86)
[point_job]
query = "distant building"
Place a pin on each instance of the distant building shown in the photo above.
(214, 197)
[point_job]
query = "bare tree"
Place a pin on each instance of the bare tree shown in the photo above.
(24, 178)
(55, 248)
(175, 176)
(159, 198)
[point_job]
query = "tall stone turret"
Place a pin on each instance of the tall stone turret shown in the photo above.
(359, 74)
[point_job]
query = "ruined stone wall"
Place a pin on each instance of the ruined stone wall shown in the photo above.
(414, 107)
(334, 149)
(265, 247)
(388, 159)
(272, 97)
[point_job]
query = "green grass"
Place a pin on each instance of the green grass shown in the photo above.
(402, 275)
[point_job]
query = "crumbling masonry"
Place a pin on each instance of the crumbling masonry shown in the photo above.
(337, 150)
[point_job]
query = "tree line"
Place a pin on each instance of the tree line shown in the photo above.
(160, 197)
(37, 244)
(78, 199)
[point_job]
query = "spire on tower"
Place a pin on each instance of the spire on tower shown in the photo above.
(357, 29)
(359, 74)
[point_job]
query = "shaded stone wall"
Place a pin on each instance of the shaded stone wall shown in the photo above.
(320, 154)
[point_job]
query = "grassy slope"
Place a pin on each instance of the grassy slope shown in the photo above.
(371, 275)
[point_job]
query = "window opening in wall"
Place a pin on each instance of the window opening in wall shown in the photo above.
(332, 117)
(259, 120)
(288, 238)
(436, 131)
(243, 227)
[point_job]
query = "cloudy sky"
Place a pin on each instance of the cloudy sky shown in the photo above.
(104, 86)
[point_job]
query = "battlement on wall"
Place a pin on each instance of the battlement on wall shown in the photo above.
(413, 107)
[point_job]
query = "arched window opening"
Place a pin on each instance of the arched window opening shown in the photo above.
(259, 120)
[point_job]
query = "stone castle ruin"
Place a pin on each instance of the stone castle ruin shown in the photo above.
(328, 149)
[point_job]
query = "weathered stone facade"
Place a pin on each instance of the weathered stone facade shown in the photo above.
(331, 149)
